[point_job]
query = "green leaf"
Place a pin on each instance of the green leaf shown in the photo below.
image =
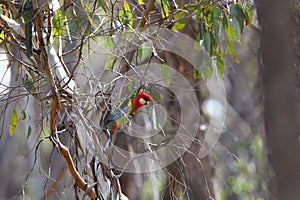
(164, 9)
(203, 65)
(231, 34)
(220, 63)
(2, 6)
(126, 6)
(178, 26)
(232, 9)
(23, 115)
(248, 16)
(2, 35)
(57, 25)
(29, 130)
(141, 2)
(143, 52)
(208, 18)
(166, 74)
(236, 28)
(109, 62)
(227, 30)
(197, 74)
(216, 19)
(180, 21)
(207, 42)
(237, 17)
(139, 53)
(230, 51)
(225, 22)
(240, 17)
(88, 11)
(125, 15)
(210, 37)
(13, 122)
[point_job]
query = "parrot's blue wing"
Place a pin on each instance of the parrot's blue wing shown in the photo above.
(116, 114)
(120, 110)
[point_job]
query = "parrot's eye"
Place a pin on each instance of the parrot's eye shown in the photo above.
(142, 101)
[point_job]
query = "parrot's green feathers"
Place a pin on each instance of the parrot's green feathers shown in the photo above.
(122, 120)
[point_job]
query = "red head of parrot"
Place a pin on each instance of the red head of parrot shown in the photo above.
(141, 100)
(129, 107)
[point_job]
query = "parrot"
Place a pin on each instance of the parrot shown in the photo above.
(26, 11)
(120, 115)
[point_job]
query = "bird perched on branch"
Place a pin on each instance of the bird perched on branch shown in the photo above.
(26, 12)
(125, 109)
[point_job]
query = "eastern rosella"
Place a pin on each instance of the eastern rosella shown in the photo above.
(26, 11)
(120, 115)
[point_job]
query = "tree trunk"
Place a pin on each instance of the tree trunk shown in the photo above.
(281, 95)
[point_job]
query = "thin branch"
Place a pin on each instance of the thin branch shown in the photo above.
(128, 58)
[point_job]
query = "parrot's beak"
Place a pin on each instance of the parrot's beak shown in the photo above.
(143, 101)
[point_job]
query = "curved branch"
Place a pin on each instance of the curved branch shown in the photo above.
(65, 153)
(146, 14)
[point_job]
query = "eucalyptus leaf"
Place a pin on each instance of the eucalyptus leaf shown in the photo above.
(13, 122)
(166, 74)
(109, 62)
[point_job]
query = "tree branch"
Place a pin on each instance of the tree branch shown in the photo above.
(64, 152)
(146, 14)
